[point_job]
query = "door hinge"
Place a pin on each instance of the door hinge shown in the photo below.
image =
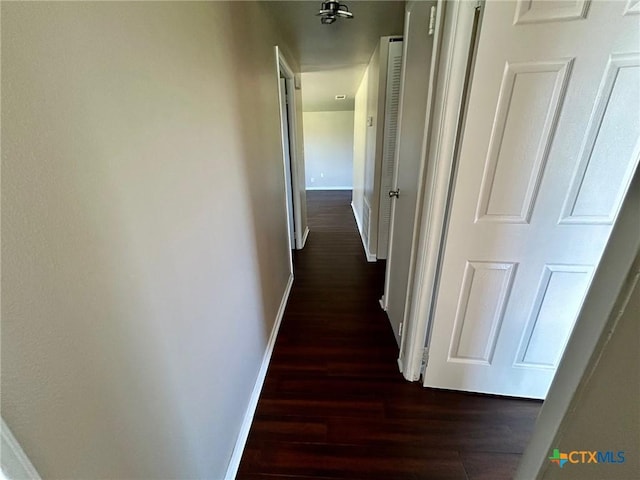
(425, 360)
(432, 20)
(400, 330)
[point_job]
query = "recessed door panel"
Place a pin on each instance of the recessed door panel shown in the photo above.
(529, 102)
(485, 291)
(611, 148)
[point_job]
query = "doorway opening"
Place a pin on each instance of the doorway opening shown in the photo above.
(287, 85)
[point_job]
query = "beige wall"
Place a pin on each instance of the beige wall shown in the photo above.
(328, 146)
(367, 154)
(360, 147)
(606, 412)
(144, 244)
(375, 110)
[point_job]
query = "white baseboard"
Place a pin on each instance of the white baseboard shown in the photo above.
(236, 456)
(15, 463)
(358, 222)
(304, 237)
(370, 256)
(343, 187)
(383, 303)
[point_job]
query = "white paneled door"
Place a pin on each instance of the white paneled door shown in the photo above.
(549, 145)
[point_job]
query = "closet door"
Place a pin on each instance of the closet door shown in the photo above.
(394, 71)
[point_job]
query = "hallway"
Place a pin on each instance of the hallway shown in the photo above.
(334, 404)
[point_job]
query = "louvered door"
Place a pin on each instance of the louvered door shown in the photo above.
(394, 71)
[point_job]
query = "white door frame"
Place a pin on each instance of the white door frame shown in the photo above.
(439, 148)
(284, 70)
(15, 463)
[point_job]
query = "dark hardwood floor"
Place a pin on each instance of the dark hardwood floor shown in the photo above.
(334, 405)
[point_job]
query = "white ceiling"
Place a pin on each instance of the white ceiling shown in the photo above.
(333, 57)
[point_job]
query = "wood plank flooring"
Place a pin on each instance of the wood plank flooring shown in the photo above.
(334, 405)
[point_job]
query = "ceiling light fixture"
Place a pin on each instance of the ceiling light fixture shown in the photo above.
(330, 11)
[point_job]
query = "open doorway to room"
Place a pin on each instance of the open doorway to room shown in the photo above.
(288, 83)
(327, 104)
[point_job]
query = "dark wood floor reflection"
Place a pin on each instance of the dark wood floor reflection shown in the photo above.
(334, 405)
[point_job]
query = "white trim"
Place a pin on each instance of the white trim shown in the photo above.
(330, 188)
(238, 449)
(297, 181)
(287, 163)
(285, 137)
(383, 303)
(304, 237)
(15, 463)
(370, 256)
(358, 223)
(439, 146)
(400, 365)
